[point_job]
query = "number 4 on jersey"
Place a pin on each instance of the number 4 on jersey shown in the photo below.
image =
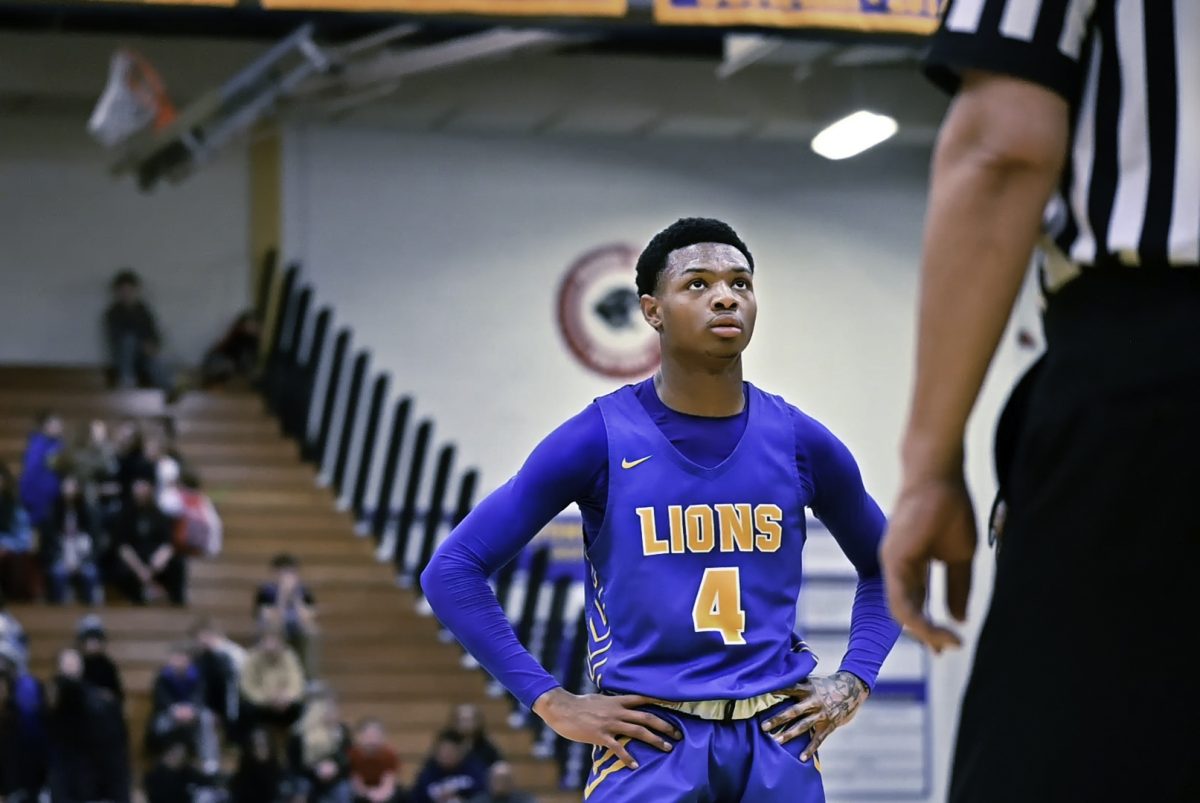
(719, 604)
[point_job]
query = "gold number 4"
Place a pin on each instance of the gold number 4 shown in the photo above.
(719, 604)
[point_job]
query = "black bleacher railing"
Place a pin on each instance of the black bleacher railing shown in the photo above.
(349, 418)
(391, 464)
(367, 453)
(549, 654)
(306, 377)
(315, 450)
(435, 515)
(276, 355)
(546, 622)
(266, 278)
(572, 757)
(466, 497)
(408, 508)
(289, 398)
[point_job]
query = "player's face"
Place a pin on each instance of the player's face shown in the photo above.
(704, 302)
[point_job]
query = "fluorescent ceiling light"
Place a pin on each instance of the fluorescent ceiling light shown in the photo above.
(854, 134)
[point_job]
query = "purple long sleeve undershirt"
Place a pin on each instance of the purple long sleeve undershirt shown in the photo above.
(571, 465)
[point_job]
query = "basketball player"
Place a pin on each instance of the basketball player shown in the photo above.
(693, 487)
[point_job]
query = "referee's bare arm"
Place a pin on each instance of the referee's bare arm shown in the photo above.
(998, 158)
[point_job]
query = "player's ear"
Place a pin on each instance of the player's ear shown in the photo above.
(652, 312)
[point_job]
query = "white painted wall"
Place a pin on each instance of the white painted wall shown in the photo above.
(445, 251)
(66, 225)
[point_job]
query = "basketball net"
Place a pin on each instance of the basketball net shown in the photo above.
(134, 98)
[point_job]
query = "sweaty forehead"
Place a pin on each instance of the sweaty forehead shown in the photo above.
(707, 256)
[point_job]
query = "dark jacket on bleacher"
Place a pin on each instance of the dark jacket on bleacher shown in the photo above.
(89, 745)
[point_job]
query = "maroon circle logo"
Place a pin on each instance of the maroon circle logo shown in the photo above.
(600, 316)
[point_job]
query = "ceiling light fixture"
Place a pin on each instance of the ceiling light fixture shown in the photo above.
(853, 134)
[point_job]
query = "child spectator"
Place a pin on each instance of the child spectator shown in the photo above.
(320, 752)
(219, 661)
(448, 775)
(18, 569)
(501, 787)
(39, 477)
(259, 776)
(134, 341)
(272, 684)
(467, 722)
(235, 354)
(89, 742)
(374, 766)
(68, 547)
(98, 668)
(13, 641)
(179, 711)
(147, 561)
(288, 604)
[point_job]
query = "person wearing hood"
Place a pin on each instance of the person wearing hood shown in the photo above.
(88, 739)
(98, 668)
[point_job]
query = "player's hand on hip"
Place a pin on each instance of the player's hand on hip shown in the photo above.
(608, 721)
(933, 521)
(823, 705)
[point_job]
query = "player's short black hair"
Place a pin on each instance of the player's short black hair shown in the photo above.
(680, 234)
(284, 560)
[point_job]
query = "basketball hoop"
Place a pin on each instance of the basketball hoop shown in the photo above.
(135, 97)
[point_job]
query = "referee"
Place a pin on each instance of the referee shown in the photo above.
(1075, 127)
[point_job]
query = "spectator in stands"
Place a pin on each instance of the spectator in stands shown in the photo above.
(22, 737)
(131, 459)
(219, 661)
(68, 549)
(319, 751)
(39, 470)
(134, 341)
(374, 766)
(13, 640)
(95, 463)
(259, 775)
(235, 355)
(18, 570)
(166, 473)
(502, 787)
(173, 779)
(198, 529)
(179, 711)
(98, 668)
(448, 775)
(272, 684)
(288, 604)
(148, 563)
(467, 722)
(89, 742)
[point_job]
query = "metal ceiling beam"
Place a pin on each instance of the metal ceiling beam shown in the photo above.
(391, 67)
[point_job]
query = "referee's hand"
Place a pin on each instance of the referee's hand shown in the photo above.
(608, 721)
(933, 521)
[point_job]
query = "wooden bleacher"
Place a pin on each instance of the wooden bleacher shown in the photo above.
(379, 655)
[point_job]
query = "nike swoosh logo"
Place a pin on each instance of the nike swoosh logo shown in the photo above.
(631, 463)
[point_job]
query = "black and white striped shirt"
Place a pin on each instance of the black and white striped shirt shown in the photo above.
(1130, 69)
